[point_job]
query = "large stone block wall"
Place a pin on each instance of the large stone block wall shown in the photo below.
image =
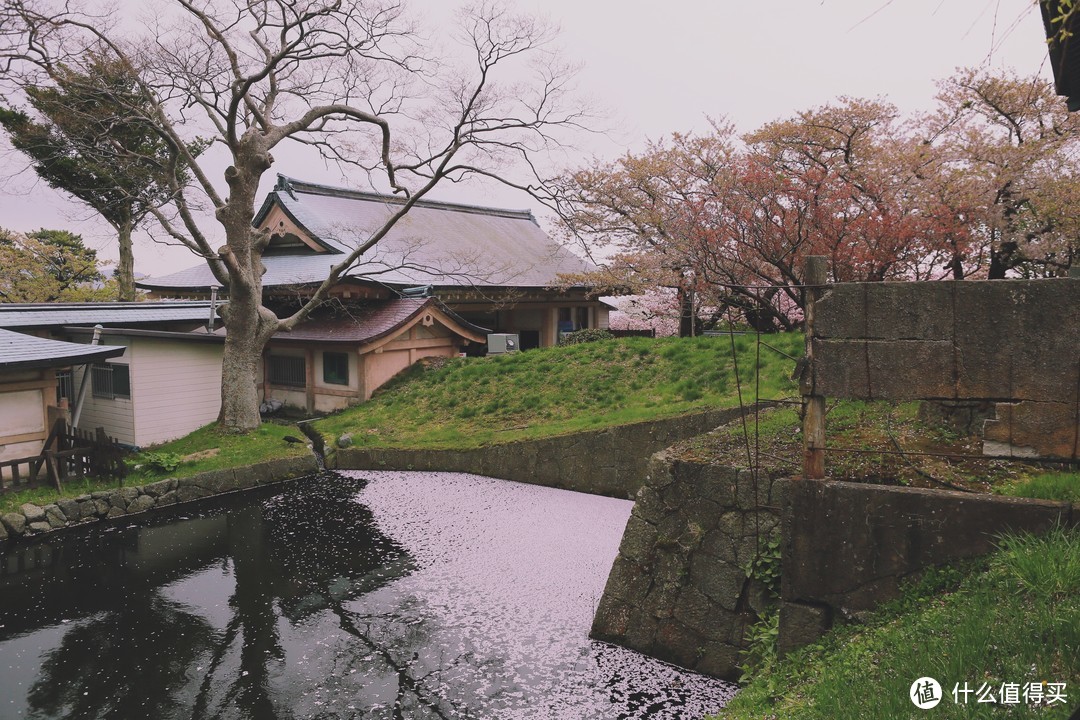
(679, 588)
(1013, 342)
(34, 519)
(847, 546)
(611, 461)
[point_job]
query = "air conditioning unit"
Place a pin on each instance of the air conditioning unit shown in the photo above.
(499, 343)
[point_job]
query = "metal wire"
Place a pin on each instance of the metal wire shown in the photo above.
(776, 350)
(745, 430)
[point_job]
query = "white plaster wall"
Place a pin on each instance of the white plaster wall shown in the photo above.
(21, 412)
(176, 387)
(116, 415)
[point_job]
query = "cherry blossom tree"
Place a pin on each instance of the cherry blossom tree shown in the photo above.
(984, 186)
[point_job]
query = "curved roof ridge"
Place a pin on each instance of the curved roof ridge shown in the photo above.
(293, 185)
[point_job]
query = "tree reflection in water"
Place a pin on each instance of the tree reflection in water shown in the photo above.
(293, 603)
(131, 663)
(295, 559)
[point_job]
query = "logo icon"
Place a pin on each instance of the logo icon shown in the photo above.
(925, 693)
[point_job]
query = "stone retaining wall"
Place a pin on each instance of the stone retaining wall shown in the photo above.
(1010, 342)
(681, 588)
(34, 519)
(611, 461)
(848, 546)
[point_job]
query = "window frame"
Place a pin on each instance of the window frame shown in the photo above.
(65, 385)
(278, 374)
(339, 357)
(105, 379)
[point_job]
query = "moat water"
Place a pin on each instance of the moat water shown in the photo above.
(351, 595)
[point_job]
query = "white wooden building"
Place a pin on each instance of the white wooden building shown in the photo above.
(164, 386)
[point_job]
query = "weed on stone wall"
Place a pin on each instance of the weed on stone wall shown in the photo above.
(762, 637)
(760, 656)
(765, 567)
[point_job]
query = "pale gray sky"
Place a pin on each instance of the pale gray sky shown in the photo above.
(660, 67)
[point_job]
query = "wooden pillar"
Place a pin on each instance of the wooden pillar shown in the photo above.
(309, 381)
(361, 375)
(815, 276)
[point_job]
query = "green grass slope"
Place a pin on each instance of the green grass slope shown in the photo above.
(205, 449)
(1004, 625)
(471, 402)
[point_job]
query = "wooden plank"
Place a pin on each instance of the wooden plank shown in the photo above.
(24, 437)
(28, 385)
(54, 473)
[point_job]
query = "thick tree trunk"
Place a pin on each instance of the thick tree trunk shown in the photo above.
(248, 325)
(1002, 259)
(125, 269)
(247, 330)
(686, 312)
(956, 265)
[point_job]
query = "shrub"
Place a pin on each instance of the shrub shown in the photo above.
(584, 336)
(162, 461)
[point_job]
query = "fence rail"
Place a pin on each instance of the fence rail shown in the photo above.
(67, 452)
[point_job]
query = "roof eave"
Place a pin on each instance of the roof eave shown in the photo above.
(107, 351)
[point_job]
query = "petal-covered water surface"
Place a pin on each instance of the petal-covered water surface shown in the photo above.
(511, 575)
(353, 595)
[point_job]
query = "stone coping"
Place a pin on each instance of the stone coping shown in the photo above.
(34, 520)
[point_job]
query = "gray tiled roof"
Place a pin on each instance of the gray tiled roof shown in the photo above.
(441, 244)
(19, 350)
(367, 323)
(114, 313)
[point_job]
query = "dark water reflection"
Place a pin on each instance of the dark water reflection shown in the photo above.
(301, 604)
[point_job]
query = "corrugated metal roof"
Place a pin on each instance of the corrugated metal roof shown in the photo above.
(437, 243)
(59, 314)
(19, 350)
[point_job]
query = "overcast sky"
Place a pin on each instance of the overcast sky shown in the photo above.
(660, 67)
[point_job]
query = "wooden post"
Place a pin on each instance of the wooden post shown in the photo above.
(309, 381)
(54, 470)
(815, 276)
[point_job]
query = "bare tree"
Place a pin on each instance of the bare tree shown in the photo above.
(352, 79)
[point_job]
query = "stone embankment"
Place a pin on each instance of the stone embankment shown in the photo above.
(682, 588)
(106, 504)
(704, 542)
(610, 461)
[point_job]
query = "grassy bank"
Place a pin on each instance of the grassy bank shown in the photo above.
(885, 443)
(203, 450)
(1011, 619)
(471, 402)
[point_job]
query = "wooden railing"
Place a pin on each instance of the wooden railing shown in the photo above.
(67, 452)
